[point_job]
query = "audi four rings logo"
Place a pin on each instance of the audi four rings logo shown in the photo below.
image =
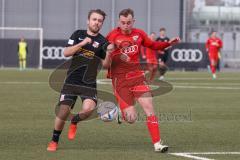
(53, 53)
(187, 55)
(130, 49)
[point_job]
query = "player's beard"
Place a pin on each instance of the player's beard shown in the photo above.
(94, 29)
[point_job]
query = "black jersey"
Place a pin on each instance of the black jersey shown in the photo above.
(163, 57)
(86, 63)
(165, 39)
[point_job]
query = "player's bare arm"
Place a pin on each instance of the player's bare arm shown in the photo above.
(107, 61)
(159, 45)
(71, 50)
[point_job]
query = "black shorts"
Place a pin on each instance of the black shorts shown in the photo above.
(163, 57)
(70, 93)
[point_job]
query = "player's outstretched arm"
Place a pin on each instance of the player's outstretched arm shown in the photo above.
(156, 45)
(71, 50)
(173, 41)
(107, 61)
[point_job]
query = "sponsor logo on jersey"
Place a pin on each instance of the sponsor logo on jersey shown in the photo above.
(130, 50)
(87, 53)
(95, 44)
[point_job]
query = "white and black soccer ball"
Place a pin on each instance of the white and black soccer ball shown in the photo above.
(108, 111)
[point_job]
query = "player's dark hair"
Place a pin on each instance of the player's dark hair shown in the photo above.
(126, 12)
(152, 32)
(213, 31)
(98, 11)
(162, 29)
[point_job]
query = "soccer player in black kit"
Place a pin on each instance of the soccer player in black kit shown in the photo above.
(163, 56)
(88, 50)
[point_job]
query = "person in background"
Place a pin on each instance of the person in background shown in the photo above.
(213, 47)
(163, 54)
(22, 53)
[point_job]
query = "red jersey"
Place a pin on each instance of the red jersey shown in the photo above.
(130, 45)
(214, 45)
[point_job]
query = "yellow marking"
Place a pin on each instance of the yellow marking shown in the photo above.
(86, 52)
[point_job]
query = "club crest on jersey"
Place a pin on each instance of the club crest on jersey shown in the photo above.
(135, 38)
(95, 44)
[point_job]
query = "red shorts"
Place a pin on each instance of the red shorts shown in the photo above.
(126, 90)
(213, 56)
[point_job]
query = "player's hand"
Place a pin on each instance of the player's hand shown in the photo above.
(160, 52)
(110, 48)
(86, 41)
(175, 40)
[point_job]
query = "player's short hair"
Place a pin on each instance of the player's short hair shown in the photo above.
(98, 11)
(162, 29)
(126, 12)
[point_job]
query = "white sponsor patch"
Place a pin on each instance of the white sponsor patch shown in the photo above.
(70, 41)
(95, 44)
(62, 97)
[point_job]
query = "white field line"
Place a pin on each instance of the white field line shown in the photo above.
(206, 84)
(18, 82)
(108, 81)
(190, 154)
(212, 153)
(206, 87)
(202, 78)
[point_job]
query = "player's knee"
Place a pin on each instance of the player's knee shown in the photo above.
(85, 114)
(63, 112)
(131, 117)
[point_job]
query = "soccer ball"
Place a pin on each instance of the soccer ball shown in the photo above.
(107, 111)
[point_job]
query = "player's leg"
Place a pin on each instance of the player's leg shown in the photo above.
(145, 100)
(129, 114)
(213, 63)
(66, 102)
(24, 56)
(162, 66)
(152, 65)
(20, 61)
(125, 99)
(60, 119)
(162, 70)
(153, 72)
(88, 106)
(126, 104)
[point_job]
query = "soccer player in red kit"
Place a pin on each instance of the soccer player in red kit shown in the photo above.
(129, 83)
(213, 46)
(150, 56)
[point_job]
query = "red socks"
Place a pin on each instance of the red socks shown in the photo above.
(153, 128)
